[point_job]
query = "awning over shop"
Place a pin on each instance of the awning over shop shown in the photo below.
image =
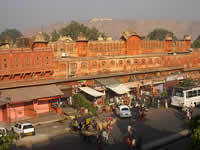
(131, 84)
(67, 90)
(107, 81)
(159, 82)
(4, 100)
(91, 91)
(119, 88)
(145, 82)
(176, 77)
(31, 93)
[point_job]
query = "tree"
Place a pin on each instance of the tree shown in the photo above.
(46, 36)
(23, 42)
(7, 140)
(196, 43)
(54, 36)
(160, 34)
(81, 101)
(10, 35)
(194, 126)
(187, 83)
(74, 29)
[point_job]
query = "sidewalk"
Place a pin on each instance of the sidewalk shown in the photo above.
(46, 118)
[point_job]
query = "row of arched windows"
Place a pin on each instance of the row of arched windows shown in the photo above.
(28, 61)
(105, 46)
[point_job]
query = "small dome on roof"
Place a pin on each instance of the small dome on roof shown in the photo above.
(187, 38)
(81, 37)
(65, 38)
(109, 38)
(100, 38)
(39, 38)
(127, 34)
(168, 38)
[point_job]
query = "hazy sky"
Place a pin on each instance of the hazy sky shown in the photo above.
(29, 13)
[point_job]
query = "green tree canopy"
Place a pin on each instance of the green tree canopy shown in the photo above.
(194, 126)
(160, 34)
(10, 35)
(196, 43)
(6, 141)
(46, 36)
(74, 29)
(54, 36)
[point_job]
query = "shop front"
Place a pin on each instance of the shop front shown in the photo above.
(3, 105)
(173, 80)
(119, 94)
(95, 97)
(158, 87)
(146, 88)
(133, 86)
(28, 102)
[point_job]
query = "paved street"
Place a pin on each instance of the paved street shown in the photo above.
(158, 123)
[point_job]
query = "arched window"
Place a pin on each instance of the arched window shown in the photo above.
(84, 65)
(136, 61)
(150, 61)
(128, 62)
(112, 63)
(103, 63)
(120, 62)
(73, 67)
(94, 65)
(143, 61)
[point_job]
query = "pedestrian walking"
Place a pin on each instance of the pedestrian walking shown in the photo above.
(142, 113)
(130, 131)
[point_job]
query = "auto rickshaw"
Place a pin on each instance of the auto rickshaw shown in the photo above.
(75, 124)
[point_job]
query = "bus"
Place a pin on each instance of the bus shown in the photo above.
(182, 97)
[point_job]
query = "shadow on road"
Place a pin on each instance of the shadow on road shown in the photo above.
(143, 129)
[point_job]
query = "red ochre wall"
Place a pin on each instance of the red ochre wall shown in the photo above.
(95, 66)
(20, 64)
(93, 58)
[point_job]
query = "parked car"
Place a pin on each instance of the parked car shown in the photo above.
(123, 111)
(23, 129)
(3, 131)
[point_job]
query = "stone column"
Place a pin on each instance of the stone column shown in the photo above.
(168, 43)
(187, 40)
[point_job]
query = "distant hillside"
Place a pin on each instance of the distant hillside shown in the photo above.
(114, 28)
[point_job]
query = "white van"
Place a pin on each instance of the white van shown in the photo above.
(185, 97)
(23, 129)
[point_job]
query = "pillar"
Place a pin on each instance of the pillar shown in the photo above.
(187, 40)
(138, 91)
(168, 43)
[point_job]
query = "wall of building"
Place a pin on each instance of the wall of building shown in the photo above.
(16, 111)
(132, 46)
(29, 110)
(94, 66)
(25, 63)
(92, 58)
(42, 107)
(1, 113)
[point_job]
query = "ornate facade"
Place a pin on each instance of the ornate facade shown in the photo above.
(83, 58)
